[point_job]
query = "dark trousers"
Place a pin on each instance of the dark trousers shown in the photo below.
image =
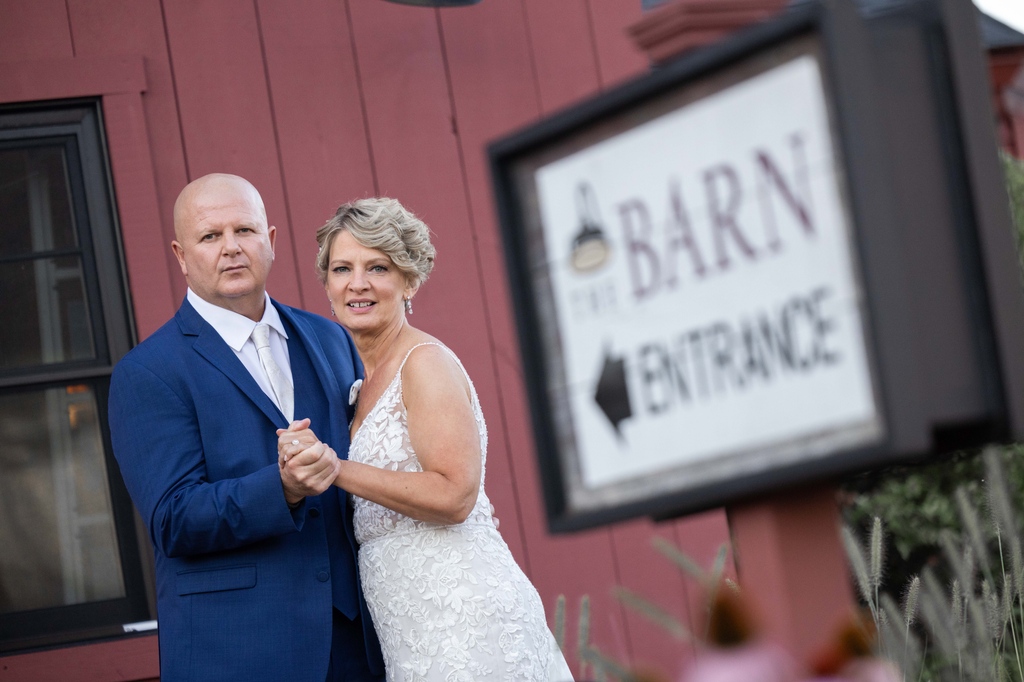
(348, 652)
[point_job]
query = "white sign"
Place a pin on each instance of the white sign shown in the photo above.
(705, 291)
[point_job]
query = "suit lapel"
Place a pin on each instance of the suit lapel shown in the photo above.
(211, 346)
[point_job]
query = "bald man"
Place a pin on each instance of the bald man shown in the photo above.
(255, 562)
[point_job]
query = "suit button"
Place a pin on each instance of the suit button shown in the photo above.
(323, 576)
(314, 513)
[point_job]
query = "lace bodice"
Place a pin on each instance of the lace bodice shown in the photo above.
(382, 440)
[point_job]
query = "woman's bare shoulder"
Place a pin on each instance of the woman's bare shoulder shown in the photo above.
(431, 370)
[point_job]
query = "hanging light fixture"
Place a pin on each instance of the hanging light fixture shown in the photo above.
(437, 3)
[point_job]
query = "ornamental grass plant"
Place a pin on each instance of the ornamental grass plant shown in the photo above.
(594, 664)
(961, 618)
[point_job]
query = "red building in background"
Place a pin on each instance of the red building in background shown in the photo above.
(1006, 60)
(109, 107)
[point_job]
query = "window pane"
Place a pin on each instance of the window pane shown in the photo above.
(35, 207)
(56, 526)
(47, 321)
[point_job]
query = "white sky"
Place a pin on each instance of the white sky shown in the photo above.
(1010, 12)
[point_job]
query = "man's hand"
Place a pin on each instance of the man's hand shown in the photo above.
(308, 467)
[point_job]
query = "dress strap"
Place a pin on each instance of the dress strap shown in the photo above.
(406, 358)
(443, 347)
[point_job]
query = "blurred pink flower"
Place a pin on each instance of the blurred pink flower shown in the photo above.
(757, 662)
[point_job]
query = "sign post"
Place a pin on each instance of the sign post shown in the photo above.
(791, 565)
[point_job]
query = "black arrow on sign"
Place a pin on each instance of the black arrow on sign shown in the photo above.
(612, 394)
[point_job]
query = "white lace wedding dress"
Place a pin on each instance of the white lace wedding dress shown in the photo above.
(448, 601)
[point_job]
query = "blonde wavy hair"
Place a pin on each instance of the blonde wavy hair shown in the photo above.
(384, 224)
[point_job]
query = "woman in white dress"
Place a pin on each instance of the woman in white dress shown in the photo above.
(447, 599)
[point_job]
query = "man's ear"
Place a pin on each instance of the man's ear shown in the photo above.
(179, 253)
(272, 236)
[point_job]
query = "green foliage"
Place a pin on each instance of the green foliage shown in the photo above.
(918, 505)
(1014, 169)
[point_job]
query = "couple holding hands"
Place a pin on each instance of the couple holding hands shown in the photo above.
(283, 552)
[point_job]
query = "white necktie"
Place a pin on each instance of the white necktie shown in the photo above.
(283, 391)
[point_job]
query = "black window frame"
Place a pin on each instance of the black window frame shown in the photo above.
(77, 125)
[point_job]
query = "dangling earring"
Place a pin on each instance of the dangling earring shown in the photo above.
(332, 310)
(408, 306)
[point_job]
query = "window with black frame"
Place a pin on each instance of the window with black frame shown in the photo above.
(70, 565)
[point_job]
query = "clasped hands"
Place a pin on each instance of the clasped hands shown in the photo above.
(308, 466)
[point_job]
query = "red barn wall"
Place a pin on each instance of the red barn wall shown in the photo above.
(323, 101)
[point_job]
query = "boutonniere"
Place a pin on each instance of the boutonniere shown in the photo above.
(353, 393)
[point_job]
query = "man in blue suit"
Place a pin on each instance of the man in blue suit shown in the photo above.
(255, 560)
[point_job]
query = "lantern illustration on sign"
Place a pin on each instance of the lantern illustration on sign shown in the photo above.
(590, 248)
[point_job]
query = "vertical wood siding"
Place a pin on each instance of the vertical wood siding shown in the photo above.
(324, 101)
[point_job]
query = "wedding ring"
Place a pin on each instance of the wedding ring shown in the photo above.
(295, 442)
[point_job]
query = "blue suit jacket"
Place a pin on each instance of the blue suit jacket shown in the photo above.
(239, 577)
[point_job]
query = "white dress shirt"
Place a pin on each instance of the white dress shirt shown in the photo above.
(236, 330)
